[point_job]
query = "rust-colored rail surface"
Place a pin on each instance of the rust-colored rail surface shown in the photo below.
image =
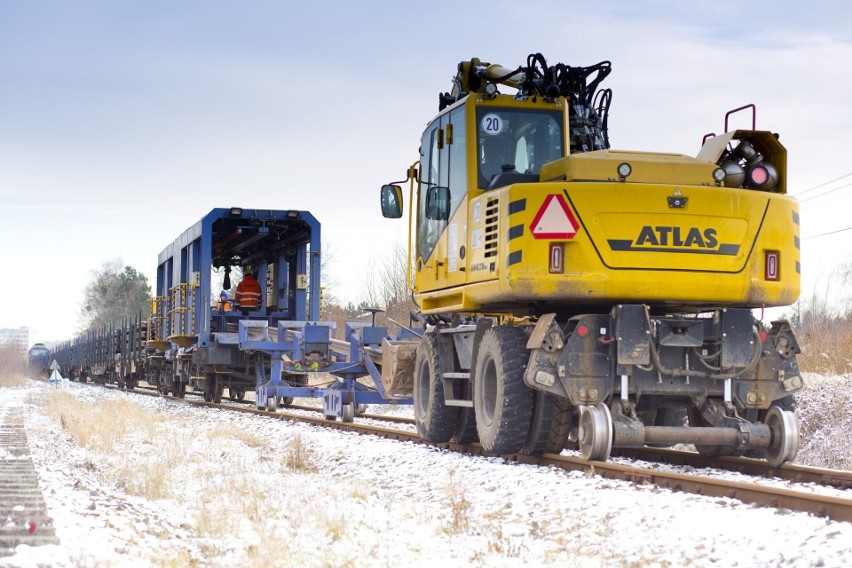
(838, 479)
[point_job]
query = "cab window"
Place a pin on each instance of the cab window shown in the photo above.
(443, 162)
(428, 230)
(517, 140)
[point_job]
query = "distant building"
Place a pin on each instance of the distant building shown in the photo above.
(19, 337)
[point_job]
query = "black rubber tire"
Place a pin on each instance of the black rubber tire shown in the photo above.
(465, 432)
(435, 421)
(550, 425)
(502, 402)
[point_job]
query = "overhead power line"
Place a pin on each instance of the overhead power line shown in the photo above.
(823, 184)
(829, 192)
(826, 233)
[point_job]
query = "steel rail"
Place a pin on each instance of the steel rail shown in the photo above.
(839, 479)
(831, 507)
(152, 391)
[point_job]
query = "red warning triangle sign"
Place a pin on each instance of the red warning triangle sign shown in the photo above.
(554, 220)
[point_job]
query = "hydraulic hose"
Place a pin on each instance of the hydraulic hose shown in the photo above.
(655, 358)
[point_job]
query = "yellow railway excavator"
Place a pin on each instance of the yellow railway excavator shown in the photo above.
(576, 294)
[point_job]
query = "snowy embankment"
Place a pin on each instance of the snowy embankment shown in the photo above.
(156, 482)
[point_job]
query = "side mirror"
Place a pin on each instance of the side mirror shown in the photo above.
(391, 201)
(438, 203)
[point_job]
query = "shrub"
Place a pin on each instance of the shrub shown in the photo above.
(13, 366)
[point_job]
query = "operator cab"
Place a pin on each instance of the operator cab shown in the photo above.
(483, 139)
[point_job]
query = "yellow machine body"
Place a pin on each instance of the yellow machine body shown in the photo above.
(574, 230)
(573, 293)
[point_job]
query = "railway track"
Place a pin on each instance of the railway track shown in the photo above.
(838, 508)
(23, 513)
(151, 391)
(839, 479)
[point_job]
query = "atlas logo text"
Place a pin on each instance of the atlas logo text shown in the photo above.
(677, 236)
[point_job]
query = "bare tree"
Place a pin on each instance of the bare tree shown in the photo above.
(327, 256)
(115, 291)
(386, 288)
(830, 300)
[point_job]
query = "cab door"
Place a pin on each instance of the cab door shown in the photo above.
(441, 242)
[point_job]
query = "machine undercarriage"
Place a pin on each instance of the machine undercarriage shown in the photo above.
(718, 379)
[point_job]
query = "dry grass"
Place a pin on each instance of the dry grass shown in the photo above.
(242, 436)
(153, 479)
(13, 367)
(211, 474)
(825, 422)
(299, 457)
(826, 346)
(268, 552)
(213, 521)
(179, 559)
(227, 484)
(823, 323)
(335, 527)
(459, 505)
(100, 426)
(362, 491)
(505, 545)
(106, 426)
(823, 326)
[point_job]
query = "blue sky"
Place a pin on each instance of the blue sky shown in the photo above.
(122, 123)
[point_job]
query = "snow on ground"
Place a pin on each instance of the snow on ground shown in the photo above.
(825, 421)
(227, 489)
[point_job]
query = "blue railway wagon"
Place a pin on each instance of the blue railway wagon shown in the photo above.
(194, 343)
(39, 360)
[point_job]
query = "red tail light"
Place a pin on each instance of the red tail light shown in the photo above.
(772, 260)
(557, 258)
(758, 176)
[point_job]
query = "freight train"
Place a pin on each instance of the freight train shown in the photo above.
(578, 293)
(190, 342)
(573, 295)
